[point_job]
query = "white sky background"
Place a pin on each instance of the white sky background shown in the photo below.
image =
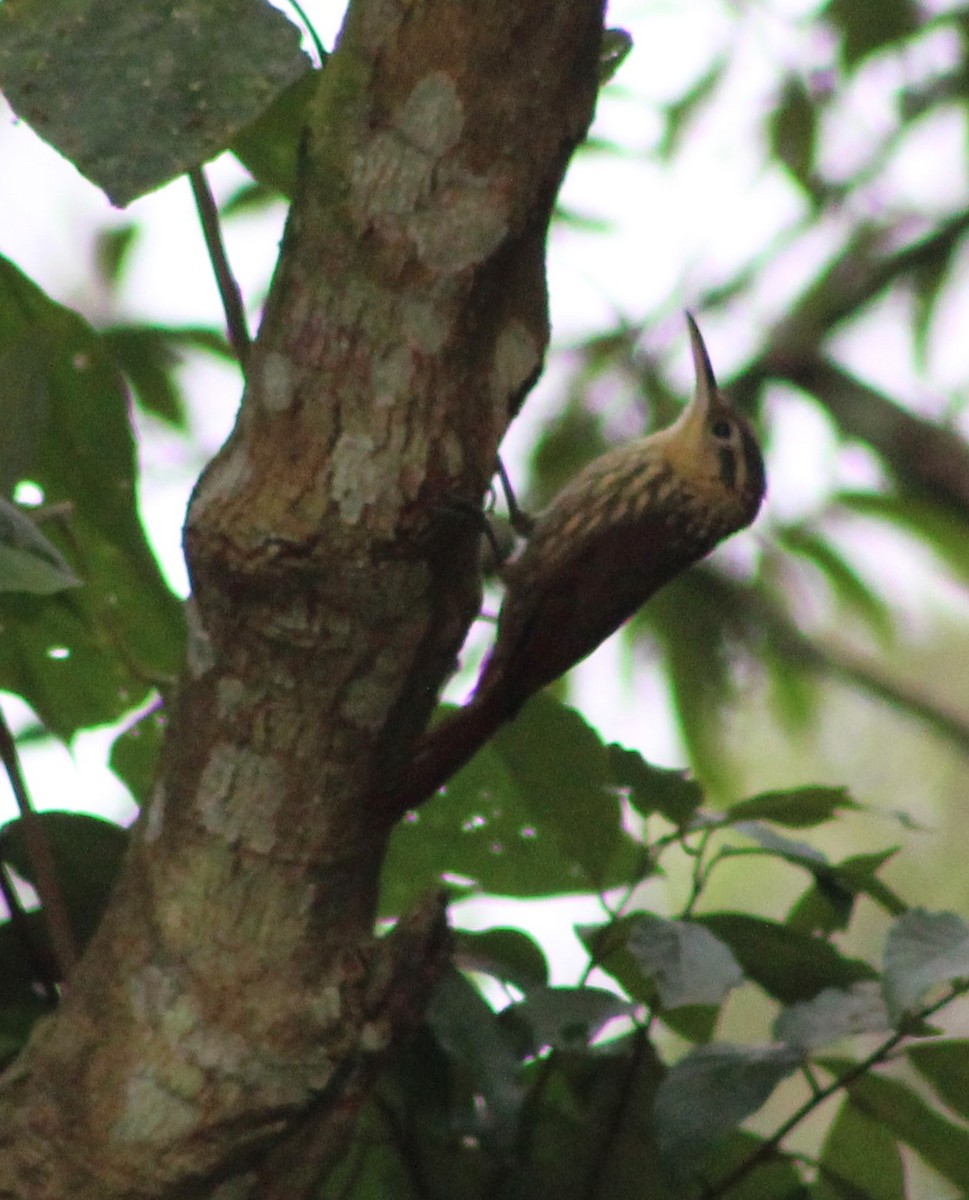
(674, 231)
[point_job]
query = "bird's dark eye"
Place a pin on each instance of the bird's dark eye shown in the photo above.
(722, 430)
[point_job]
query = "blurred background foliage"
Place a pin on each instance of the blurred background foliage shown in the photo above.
(825, 646)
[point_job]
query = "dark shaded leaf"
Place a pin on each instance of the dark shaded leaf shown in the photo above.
(83, 657)
(792, 130)
(87, 854)
(148, 356)
(828, 904)
(470, 1033)
(896, 1107)
(28, 561)
(799, 808)
(506, 954)
(945, 1065)
(269, 146)
(184, 79)
(655, 789)
(789, 965)
(708, 1093)
(865, 29)
(860, 1160)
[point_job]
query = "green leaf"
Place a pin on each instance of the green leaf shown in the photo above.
(589, 1130)
(652, 789)
(894, 1106)
(148, 355)
(269, 146)
(775, 1178)
(833, 1014)
(28, 561)
(945, 1065)
(87, 855)
(134, 754)
(799, 808)
(865, 29)
(83, 657)
(25, 959)
(828, 904)
(708, 1093)
(533, 814)
(184, 79)
(788, 964)
(563, 1018)
(792, 131)
(506, 954)
(469, 1032)
(924, 951)
(686, 962)
(860, 1160)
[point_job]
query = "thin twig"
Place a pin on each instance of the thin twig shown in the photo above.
(41, 859)
(235, 315)
(768, 1148)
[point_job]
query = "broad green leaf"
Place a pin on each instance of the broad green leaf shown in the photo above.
(655, 789)
(945, 1064)
(609, 949)
(924, 952)
(775, 1178)
(82, 657)
(799, 808)
(563, 1018)
(687, 963)
(28, 561)
(184, 79)
(148, 355)
(896, 1107)
(87, 854)
(506, 954)
(833, 1014)
(829, 902)
(789, 965)
(534, 813)
(865, 29)
(134, 754)
(708, 1093)
(860, 1160)
(269, 146)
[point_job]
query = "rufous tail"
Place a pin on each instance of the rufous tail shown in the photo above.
(443, 751)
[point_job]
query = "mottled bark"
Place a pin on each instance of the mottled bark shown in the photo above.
(234, 1005)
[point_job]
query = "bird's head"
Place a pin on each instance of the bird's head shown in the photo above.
(713, 446)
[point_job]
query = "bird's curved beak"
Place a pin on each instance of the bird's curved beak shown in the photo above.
(706, 383)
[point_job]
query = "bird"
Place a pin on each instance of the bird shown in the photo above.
(627, 523)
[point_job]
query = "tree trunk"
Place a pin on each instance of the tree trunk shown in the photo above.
(234, 1005)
